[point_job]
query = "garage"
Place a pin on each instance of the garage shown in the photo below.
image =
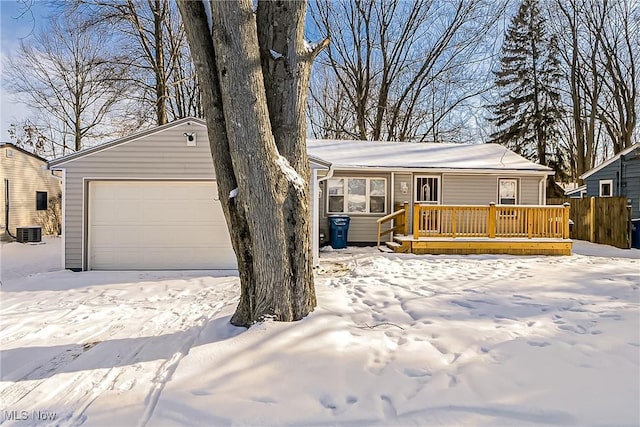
(156, 225)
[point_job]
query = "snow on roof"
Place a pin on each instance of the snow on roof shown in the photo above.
(412, 155)
(375, 154)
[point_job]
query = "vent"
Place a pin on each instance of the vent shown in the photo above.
(28, 234)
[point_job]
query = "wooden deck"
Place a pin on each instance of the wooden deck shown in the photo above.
(504, 229)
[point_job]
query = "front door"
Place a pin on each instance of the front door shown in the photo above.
(427, 192)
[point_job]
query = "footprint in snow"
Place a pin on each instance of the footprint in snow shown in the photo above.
(538, 343)
(388, 408)
(463, 304)
(328, 403)
(577, 329)
(453, 381)
(350, 400)
(263, 399)
(416, 373)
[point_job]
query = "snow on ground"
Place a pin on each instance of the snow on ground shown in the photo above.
(396, 340)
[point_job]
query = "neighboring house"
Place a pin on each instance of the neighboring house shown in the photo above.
(618, 176)
(149, 200)
(27, 186)
(576, 193)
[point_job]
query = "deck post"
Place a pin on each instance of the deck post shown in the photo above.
(491, 226)
(565, 220)
(592, 220)
(416, 221)
(453, 222)
(405, 206)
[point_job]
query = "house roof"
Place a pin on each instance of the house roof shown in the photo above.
(413, 155)
(375, 154)
(22, 150)
(608, 162)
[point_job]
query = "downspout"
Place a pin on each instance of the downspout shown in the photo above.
(542, 189)
(6, 207)
(316, 213)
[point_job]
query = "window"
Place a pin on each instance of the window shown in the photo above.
(606, 188)
(428, 189)
(41, 200)
(357, 195)
(507, 191)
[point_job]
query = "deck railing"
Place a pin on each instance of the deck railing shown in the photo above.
(400, 220)
(491, 221)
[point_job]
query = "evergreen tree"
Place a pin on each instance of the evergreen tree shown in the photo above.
(528, 114)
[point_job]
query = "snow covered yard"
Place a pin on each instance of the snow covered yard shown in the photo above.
(395, 340)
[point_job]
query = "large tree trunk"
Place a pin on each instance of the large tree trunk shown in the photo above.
(269, 217)
(159, 10)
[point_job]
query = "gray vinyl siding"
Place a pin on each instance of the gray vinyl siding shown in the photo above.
(400, 198)
(160, 156)
(530, 190)
(469, 189)
(482, 189)
(362, 227)
(478, 189)
(629, 184)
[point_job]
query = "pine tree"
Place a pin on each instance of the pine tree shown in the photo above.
(528, 114)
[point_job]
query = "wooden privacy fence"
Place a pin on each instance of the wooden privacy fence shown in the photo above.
(604, 220)
(491, 221)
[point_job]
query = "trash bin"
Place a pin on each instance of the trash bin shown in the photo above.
(635, 233)
(338, 230)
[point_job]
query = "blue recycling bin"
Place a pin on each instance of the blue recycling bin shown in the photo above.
(635, 233)
(338, 230)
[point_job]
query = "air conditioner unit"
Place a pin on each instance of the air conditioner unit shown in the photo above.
(28, 234)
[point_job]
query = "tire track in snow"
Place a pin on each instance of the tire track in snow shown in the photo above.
(39, 375)
(168, 368)
(8, 336)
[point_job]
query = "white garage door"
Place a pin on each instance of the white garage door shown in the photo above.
(147, 225)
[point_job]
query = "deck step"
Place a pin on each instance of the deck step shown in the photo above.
(394, 246)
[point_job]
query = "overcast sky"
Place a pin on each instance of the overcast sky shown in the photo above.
(15, 25)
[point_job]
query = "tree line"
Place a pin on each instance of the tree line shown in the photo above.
(555, 80)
